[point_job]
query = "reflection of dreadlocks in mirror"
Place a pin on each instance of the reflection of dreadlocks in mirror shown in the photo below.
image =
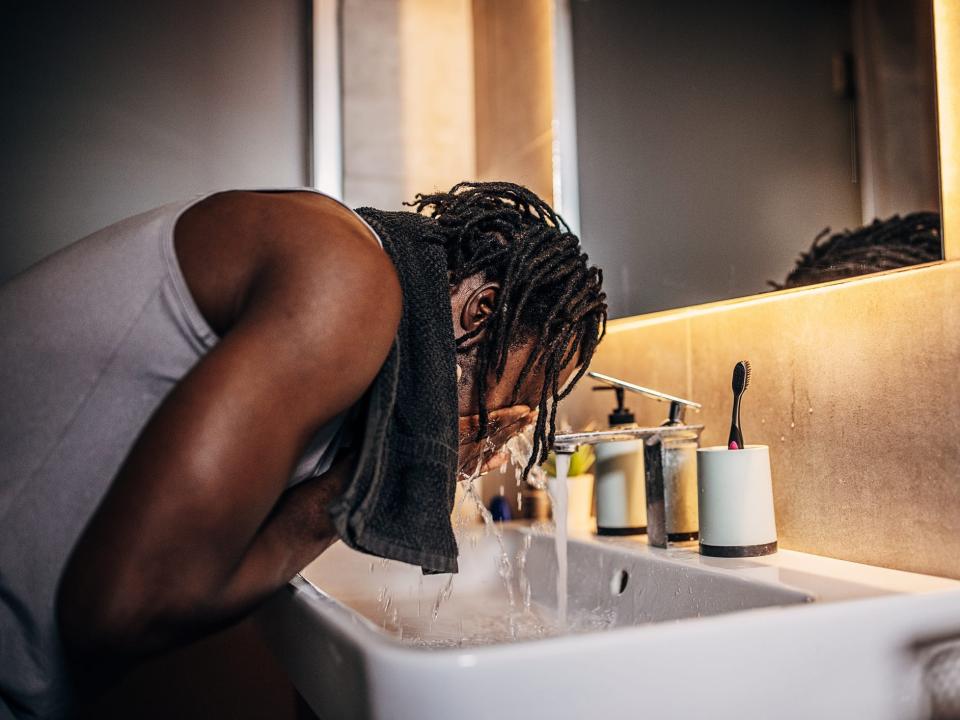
(548, 292)
(882, 245)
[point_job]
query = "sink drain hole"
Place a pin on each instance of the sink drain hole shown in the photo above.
(618, 583)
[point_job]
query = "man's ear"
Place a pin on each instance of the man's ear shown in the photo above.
(477, 309)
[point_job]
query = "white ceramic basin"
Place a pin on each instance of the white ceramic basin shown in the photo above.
(657, 633)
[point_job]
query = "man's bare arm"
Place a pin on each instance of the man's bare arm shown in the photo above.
(191, 534)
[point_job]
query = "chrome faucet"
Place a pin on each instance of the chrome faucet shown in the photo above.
(653, 450)
(678, 405)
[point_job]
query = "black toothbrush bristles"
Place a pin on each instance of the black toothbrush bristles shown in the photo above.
(741, 380)
(741, 376)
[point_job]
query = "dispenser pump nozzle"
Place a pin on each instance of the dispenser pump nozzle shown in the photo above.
(621, 415)
(677, 411)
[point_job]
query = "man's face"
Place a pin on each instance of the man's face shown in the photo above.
(507, 416)
(510, 408)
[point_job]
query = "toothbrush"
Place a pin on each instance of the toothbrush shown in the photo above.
(741, 380)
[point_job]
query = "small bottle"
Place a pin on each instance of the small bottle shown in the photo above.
(620, 490)
(535, 505)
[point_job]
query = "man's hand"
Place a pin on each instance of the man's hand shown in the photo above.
(501, 426)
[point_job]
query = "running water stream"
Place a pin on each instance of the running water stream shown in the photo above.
(465, 617)
(504, 567)
(557, 490)
(519, 450)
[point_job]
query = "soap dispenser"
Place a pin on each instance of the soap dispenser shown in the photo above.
(620, 483)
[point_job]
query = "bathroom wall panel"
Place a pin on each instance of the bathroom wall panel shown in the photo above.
(373, 130)
(514, 97)
(656, 358)
(438, 86)
(408, 99)
(848, 391)
(112, 108)
(854, 390)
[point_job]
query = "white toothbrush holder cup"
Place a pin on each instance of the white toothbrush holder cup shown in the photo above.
(736, 502)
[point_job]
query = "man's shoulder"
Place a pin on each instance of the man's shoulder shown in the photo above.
(295, 249)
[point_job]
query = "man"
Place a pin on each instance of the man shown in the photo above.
(201, 399)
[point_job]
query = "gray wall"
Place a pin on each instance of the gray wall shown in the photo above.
(712, 148)
(111, 108)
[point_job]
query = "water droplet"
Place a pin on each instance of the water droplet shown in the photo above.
(810, 411)
(783, 438)
(793, 425)
(763, 421)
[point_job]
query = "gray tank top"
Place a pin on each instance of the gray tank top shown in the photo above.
(91, 341)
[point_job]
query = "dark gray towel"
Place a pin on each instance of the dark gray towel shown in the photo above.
(399, 501)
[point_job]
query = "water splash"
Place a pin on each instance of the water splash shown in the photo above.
(519, 448)
(522, 580)
(504, 567)
(445, 592)
(469, 618)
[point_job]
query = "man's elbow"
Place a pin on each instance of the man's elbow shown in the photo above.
(108, 628)
(93, 630)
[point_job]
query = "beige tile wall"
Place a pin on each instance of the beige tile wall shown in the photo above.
(408, 99)
(513, 70)
(854, 388)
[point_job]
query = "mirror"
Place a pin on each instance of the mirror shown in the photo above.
(724, 149)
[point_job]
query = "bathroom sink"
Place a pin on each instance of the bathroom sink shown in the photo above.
(664, 633)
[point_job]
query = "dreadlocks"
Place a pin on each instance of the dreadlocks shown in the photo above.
(882, 245)
(548, 293)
